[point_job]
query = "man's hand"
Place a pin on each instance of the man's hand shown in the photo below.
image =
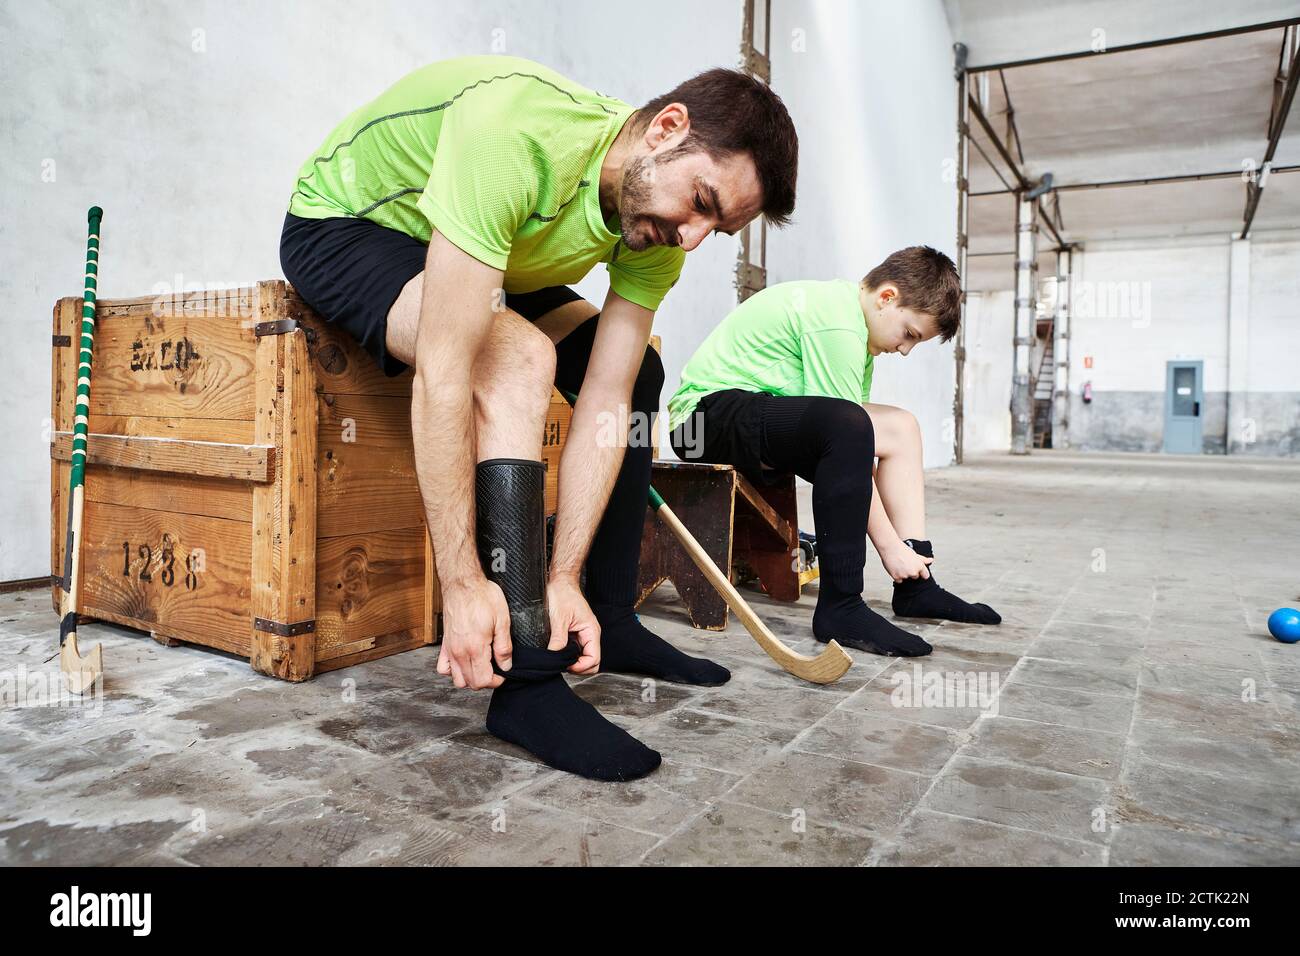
(476, 624)
(570, 614)
(902, 562)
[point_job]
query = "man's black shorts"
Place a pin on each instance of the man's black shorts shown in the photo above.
(352, 270)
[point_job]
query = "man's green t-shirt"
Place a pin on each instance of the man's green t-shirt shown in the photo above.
(502, 156)
(796, 338)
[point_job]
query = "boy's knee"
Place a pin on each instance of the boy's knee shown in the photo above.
(837, 421)
(846, 418)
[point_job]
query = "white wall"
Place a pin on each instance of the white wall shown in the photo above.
(990, 328)
(190, 141)
(1177, 308)
(870, 87)
(1274, 323)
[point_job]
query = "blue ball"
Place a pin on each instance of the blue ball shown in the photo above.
(1284, 624)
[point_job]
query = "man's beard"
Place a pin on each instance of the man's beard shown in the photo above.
(634, 196)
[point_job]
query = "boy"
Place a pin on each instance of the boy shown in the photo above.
(783, 384)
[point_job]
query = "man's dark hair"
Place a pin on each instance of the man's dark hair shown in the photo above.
(927, 282)
(731, 113)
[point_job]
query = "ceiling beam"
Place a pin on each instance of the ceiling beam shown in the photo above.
(1002, 150)
(1277, 120)
(1024, 184)
(1148, 181)
(1144, 45)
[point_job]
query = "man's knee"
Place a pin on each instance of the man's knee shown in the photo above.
(517, 376)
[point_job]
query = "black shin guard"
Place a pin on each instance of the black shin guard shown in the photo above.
(511, 516)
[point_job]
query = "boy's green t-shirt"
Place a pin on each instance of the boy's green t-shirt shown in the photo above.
(795, 338)
(502, 156)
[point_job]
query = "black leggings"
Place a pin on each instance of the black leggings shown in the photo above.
(616, 549)
(827, 441)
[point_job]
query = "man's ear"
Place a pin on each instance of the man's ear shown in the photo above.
(671, 125)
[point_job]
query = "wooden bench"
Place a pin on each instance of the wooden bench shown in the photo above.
(742, 527)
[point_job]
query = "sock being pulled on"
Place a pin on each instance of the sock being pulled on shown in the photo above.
(628, 647)
(923, 597)
(535, 708)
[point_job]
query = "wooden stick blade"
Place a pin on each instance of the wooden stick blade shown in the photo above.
(80, 673)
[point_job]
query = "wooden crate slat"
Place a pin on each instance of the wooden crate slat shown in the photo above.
(366, 478)
(161, 491)
(236, 431)
(178, 456)
(284, 513)
(377, 648)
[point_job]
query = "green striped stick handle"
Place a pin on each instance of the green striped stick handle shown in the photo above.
(76, 483)
(94, 217)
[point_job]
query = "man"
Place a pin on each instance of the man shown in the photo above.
(437, 224)
(783, 384)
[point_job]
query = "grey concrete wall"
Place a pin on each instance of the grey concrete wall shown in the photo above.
(1135, 421)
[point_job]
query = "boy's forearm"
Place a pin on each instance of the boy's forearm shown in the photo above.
(879, 528)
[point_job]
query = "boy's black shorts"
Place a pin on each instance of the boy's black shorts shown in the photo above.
(726, 428)
(352, 270)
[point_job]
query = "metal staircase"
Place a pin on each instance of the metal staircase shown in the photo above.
(1043, 388)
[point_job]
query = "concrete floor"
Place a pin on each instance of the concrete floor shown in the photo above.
(1143, 716)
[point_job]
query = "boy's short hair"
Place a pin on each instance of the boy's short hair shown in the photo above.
(927, 282)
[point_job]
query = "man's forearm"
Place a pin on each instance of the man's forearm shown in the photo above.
(589, 465)
(454, 323)
(442, 415)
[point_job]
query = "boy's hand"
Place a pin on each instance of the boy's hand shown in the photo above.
(901, 563)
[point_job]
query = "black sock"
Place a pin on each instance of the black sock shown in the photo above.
(828, 440)
(535, 709)
(627, 647)
(922, 597)
(848, 620)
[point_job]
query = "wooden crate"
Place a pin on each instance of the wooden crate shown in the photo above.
(251, 482)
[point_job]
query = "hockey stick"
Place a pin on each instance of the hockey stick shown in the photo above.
(80, 673)
(825, 668)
